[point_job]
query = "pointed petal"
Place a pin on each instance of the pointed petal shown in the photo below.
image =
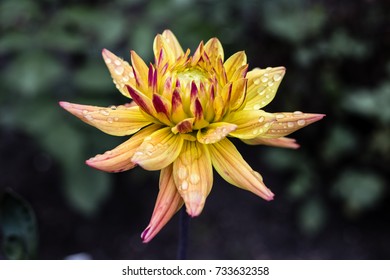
(114, 120)
(250, 123)
(287, 123)
(193, 175)
(233, 168)
(119, 159)
(173, 43)
(142, 100)
(214, 49)
(163, 109)
(141, 71)
(184, 126)
(215, 132)
(282, 142)
(163, 52)
(238, 94)
(158, 150)
(233, 63)
(121, 71)
(168, 203)
(262, 86)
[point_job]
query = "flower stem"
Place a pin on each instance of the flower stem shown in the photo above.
(183, 234)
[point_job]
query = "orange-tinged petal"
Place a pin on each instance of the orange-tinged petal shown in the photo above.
(119, 159)
(143, 101)
(193, 175)
(215, 132)
(121, 71)
(233, 168)
(233, 63)
(158, 150)
(114, 120)
(250, 123)
(262, 86)
(238, 94)
(287, 123)
(282, 142)
(141, 71)
(173, 43)
(184, 126)
(168, 203)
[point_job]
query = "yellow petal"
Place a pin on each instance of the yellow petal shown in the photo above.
(233, 63)
(233, 168)
(114, 120)
(287, 123)
(121, 71)
(163, 52)
(282, 142)
(215, 132)
(143, 101)
(238, 94)
(173, 43)
(119, 159)
(262, 86)
(168, 203)
(214, 49)
(158, 150)
(250, 123)
(141, 71)
(193, 175)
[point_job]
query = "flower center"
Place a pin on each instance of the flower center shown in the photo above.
(192, 75)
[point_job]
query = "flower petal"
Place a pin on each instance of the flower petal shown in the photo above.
(173, 43)
(168, 203)
(114, 120)
(214, 50)
(141, 71)
(262, 86)
(287, 123)
(233, 63)
(119, 159)
(158, 150)
(215, 132)
(233, 168)
(282, 142)
(250, 123)
(143, 101)
(193, 175)
(121, 71)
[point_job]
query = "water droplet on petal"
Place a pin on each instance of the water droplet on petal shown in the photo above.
(89, 117)
(113, 107)
(194, 179)
(255, 132)
(256, 107)
(131, 75)
(264, 79)
(280, 116)
(148, 138)
(290, 124)
(104, 112)
(277, 77)
(125, 78)
(85, 112)
(301, 122)
(108, 60)
(184, 185)
(110, 120)
(119, 70)
(297, 113)
(261, 119)
(117, 62)
(256, 81)
(116, 119)
(182, 173)
(149, 146)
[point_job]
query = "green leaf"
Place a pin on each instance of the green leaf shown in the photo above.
(359, 190)
(19, 227)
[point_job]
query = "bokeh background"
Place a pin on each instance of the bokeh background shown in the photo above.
(332, 195)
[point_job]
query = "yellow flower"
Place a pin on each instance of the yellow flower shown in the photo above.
(184, 108)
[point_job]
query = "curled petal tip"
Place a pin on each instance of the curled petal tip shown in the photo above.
(145, 235)
(64, 104)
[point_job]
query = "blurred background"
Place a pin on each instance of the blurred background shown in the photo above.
(332, 195)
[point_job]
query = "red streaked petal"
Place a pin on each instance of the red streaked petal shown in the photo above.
(142, 101)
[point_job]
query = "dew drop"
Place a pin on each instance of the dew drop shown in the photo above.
(117, 62)
(110, 120)
(149, 146)
(270, 83)
(261, 119)
(261, 92)
(125, 78)
(267, 96)
(139, 153)
(104, 112)
(116, 119)
(290, 124)
(297, 113)
(264, 79)
(184, 185)
(89, 117)
(266, 124)
(85, 112)
(256, 107)
(108, 60)
(119, 70)
(256, 81)
(255, 132)
(182, 173)
(131, 75)
(113, 107)
(301, 122)
(194, 179)
(277, 77)
(280, 116)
